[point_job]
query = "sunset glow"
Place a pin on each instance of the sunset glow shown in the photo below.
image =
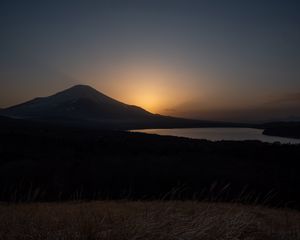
(185, 58)
(153, 87)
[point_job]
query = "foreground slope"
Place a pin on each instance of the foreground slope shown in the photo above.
(146, 220)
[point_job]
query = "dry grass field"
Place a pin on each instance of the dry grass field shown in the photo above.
(157, 220)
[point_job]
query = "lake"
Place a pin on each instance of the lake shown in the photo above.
(217, 134)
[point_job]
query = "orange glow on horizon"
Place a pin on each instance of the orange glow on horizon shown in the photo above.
(152, 87)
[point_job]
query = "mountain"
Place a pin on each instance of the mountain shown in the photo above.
(78, 102)
(80, 105)
(83, 105)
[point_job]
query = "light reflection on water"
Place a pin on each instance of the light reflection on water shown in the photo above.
(216, 134)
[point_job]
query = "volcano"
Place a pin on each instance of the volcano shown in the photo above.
(85, 106)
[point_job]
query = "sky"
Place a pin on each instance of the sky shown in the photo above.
(218, 60)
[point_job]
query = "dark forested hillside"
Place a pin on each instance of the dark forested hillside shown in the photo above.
(43, 162)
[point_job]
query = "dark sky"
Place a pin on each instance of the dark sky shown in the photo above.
(207, 59)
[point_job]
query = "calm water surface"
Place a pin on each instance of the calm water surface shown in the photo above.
(216, 134)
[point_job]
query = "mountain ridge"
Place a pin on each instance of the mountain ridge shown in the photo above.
(84, 105)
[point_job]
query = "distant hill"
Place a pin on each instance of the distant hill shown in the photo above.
(282, 129)
(83, 105)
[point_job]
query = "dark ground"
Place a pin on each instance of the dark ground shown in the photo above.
(146, 220)
(42, 162)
